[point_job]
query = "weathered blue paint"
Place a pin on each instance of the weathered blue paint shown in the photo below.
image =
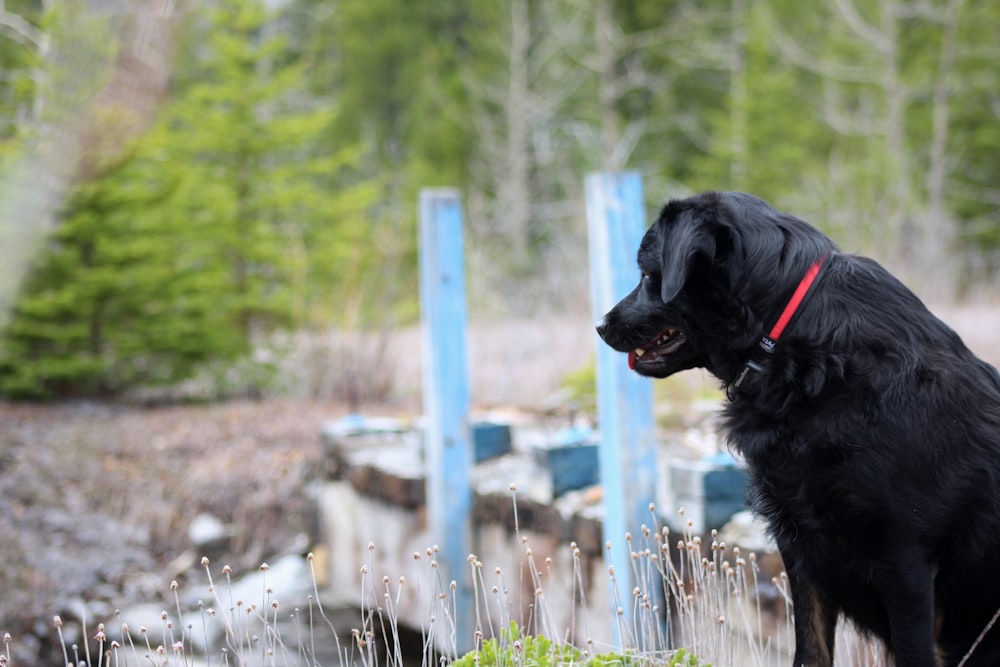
(616, 224)
(449, 455)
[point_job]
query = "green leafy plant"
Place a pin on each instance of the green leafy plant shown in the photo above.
(514, 647)
(517, 649)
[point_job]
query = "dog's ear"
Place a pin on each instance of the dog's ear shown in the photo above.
(688, 236)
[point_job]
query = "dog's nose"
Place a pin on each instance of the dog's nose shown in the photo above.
(602, 326)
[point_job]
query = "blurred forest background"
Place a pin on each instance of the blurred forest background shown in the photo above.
(183, 181)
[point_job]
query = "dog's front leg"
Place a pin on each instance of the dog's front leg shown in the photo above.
(907, 590)
(815, 623)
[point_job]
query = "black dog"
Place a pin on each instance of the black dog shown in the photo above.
(871, 433)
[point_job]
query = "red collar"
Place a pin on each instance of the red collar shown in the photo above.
(770, 340)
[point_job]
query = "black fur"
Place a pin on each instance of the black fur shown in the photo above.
(872, 434)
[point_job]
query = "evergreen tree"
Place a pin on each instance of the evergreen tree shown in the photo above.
(218, 226)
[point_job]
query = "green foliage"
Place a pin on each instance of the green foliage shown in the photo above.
(18, 56)
(278, 188)
(227, 220)
(515, 648)
(582, 387)
(111, 304)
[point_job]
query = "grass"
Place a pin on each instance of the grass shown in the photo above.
(694, 602)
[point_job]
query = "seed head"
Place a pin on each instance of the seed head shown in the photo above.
(205, 561)
(227, 570)
(264, 567)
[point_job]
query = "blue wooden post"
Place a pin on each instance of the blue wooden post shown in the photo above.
(615, 225)
(446, 396)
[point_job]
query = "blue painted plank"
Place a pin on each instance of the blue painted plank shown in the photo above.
(615, 226)
(449, 454)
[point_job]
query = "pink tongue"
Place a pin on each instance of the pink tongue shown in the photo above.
(631, 359)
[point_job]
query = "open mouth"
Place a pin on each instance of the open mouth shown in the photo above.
(666, 342)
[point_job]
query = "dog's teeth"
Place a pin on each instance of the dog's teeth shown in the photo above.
(639, 351)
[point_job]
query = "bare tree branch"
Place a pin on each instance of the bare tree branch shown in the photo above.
(20, 30)
(858, 124)
(797, 55)
(862, 28)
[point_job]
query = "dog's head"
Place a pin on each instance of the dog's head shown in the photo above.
(714, 270)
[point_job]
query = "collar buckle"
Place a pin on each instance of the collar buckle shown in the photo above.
(751, 365)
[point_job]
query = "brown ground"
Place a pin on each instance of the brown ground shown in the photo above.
(96, 500)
